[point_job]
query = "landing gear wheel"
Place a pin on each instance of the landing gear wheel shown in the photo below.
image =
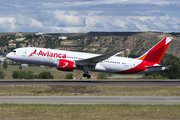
(88, 76)
(84, 75)
(20, 67)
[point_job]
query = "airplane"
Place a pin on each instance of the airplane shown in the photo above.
(108, 62)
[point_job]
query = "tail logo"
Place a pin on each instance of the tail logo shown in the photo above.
(66, 63)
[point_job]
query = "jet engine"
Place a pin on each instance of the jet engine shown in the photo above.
(65, 65)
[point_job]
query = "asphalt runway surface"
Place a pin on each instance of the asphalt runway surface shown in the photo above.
(90, 99)
(148, 83)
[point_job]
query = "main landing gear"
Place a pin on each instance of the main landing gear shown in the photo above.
(86, 75)
(86, 70)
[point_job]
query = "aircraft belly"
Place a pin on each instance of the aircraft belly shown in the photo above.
(99, 68)
(114, 68)
(33, 60)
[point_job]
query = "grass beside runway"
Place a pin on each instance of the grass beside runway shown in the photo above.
(58, 75)
(42, 90)
(89, 112)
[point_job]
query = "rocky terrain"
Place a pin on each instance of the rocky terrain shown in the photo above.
(95, 42)
(136, 42)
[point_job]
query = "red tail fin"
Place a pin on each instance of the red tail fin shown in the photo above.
(155, 54)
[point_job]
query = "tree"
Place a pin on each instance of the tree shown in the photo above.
(69, 76)
(172, 73)
(5, 64)
(2, 75)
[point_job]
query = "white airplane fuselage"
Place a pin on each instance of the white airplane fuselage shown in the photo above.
(49, 57)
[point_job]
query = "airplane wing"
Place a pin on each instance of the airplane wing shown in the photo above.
(100, 58)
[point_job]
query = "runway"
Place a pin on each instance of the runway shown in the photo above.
(90, 99)
(148, 83)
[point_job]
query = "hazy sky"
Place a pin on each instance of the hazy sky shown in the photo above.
(89, 15)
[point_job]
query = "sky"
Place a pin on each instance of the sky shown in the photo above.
(74, 16)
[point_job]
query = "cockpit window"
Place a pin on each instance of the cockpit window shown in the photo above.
(14, 51)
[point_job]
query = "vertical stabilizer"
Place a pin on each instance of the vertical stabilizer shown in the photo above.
(155, 54)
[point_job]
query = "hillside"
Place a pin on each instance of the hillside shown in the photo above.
(137, 42)
(92, 42)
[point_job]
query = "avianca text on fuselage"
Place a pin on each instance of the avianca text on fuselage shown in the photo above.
(48, 54)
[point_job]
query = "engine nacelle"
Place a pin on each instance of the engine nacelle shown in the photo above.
(65, 65)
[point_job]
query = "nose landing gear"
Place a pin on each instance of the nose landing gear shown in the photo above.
(20, 67)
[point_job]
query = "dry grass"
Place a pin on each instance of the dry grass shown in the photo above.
(53, 89)
(20, 90)
(140, 90)
(58, 75)
(89, 112)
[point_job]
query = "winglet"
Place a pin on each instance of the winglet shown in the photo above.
(155, 54)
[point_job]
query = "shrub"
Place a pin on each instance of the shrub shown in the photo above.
(159, 77)
(30, 75)
(45, 75)
(69, 76)
(23, 74)
(102, 76)
(147, 77)
(16, 74)
(2, 75)
(36, 76)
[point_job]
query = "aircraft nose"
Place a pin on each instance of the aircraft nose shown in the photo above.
(9, 55)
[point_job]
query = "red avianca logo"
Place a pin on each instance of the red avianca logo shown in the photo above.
(48, 54)
(32, 53)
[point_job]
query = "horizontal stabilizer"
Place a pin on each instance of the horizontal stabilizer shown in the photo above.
(166, 67)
